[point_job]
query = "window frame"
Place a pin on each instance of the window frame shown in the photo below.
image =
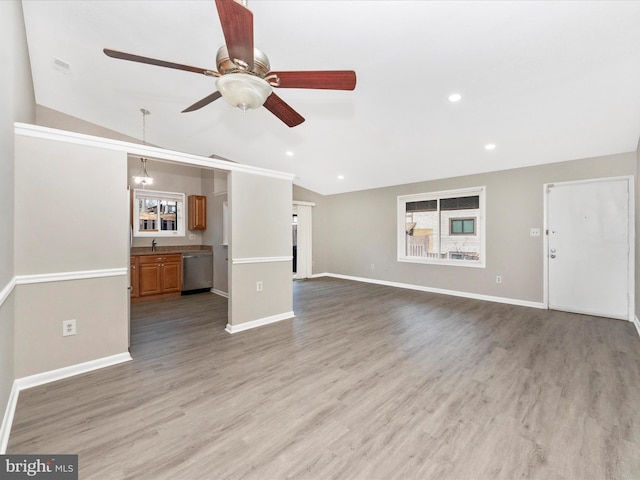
(177, 197)
(480, 227)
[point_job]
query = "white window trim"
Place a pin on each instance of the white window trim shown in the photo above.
(158, 195)
(401, 224)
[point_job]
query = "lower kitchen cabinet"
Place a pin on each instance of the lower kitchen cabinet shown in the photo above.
(159, 276)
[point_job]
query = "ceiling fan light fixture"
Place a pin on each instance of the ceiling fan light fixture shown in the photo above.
(243, 90)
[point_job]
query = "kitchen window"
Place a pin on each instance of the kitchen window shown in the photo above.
(444, 228)
(158, 214)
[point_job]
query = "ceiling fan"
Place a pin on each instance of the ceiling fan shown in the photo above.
(243, 77)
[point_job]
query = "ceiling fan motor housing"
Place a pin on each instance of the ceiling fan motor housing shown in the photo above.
(226, 65)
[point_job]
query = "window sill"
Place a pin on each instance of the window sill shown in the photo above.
(445, 262)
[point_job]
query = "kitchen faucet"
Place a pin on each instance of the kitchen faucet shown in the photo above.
(153, 245)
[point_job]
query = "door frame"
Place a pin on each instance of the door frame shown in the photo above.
(631, 236)
(305, 239)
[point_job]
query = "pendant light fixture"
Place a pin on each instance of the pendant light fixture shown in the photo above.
(143, 178)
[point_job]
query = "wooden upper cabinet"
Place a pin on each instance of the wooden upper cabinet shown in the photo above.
(197, 212)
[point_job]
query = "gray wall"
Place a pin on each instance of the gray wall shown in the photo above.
(260, 227)
(17, 104)
(48, 117)
(361, 229)
(66, 223)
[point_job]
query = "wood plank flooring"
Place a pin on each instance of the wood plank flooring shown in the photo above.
(367, 382)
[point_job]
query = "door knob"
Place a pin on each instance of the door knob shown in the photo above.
(552, 256)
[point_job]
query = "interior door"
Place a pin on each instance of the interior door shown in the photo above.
(304, 241)
(588, 247)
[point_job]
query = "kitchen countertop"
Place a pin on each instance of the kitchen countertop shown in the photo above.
(171, 249)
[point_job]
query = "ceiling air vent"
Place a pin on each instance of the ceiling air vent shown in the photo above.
(61, 66)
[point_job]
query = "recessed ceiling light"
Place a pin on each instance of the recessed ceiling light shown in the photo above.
(289, 153)
(490, 146)
(455, 97)
(340, 177)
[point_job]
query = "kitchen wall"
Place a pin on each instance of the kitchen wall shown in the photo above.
(360, 229)
(17, 103)
(72, 254)
(169, 177)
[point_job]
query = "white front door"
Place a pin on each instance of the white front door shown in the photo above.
(588, 251)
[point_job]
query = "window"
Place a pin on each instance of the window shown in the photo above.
(442, 227)
(158, 214)
(462, 226)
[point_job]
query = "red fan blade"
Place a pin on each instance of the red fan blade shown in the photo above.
(237, 25)
(201, 103)
(153, 61)
(283, 111)
(319, 79)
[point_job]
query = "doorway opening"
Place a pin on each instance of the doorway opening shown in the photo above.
(301, 223)
(294, 231)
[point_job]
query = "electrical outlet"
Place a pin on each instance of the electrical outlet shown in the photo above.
(68, 328)
(498, 279)
(259, 286)
(535, 232)
(192, 236)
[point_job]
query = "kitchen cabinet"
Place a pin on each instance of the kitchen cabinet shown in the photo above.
(159, 276)
(197, 212)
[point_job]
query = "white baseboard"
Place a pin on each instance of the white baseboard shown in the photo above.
(65, 372)
(220, 292)
(258, 323)
(421, 288)
(636, 322)
(31, 381)
(7, 420)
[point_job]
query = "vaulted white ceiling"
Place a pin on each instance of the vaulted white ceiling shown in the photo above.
(543, 81)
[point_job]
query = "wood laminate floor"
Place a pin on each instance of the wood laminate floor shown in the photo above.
(366, 382)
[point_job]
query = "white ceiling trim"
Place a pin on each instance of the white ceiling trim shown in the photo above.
(35, 131)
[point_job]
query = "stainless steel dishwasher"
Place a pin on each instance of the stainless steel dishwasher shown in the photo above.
(197, 271)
